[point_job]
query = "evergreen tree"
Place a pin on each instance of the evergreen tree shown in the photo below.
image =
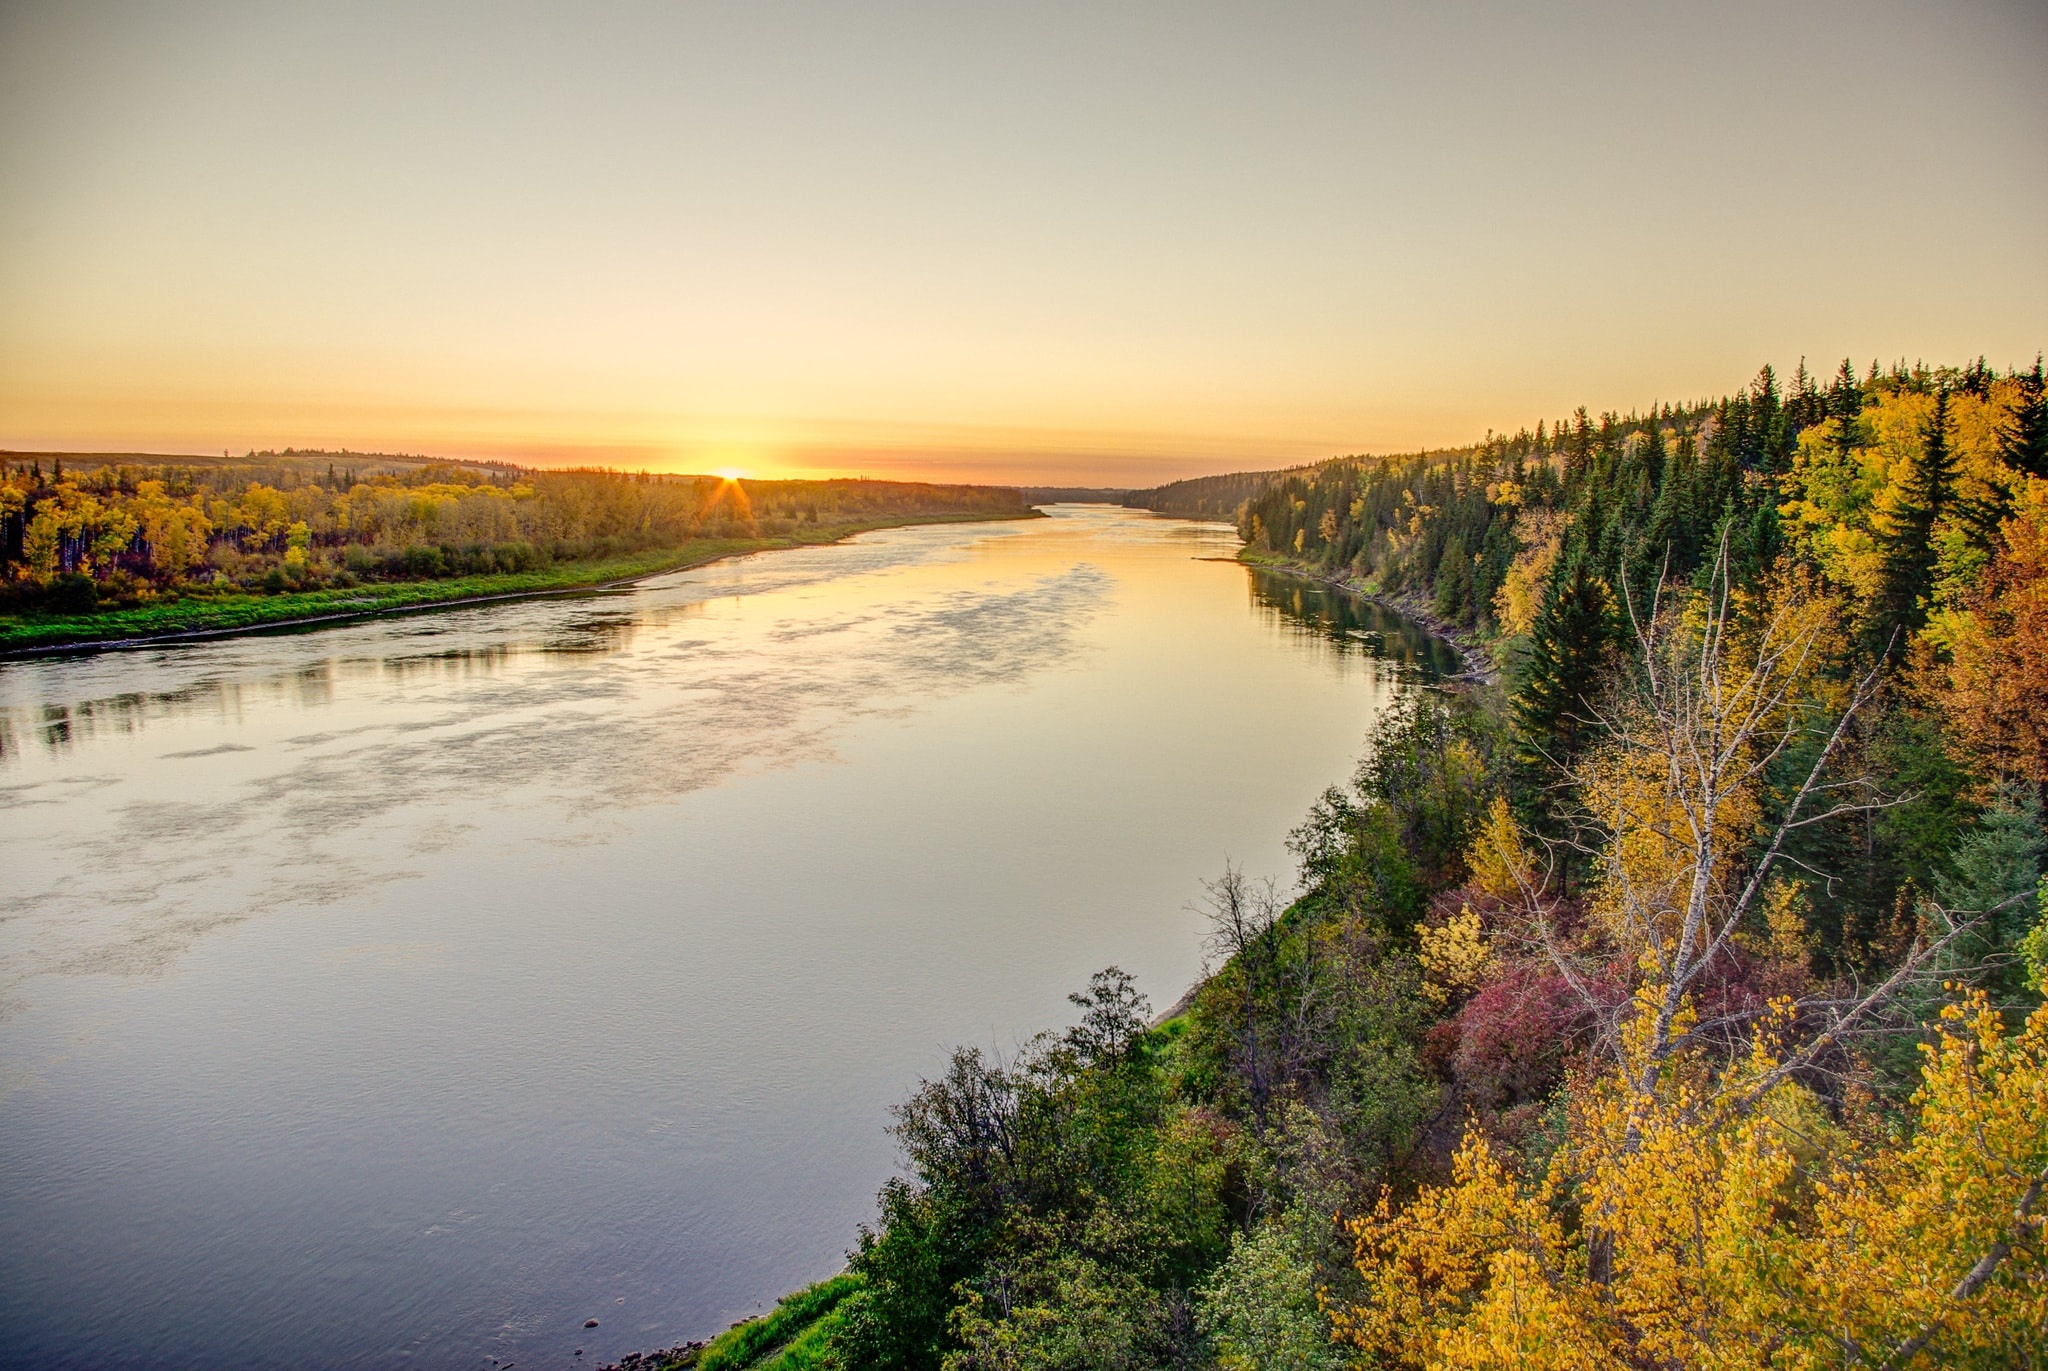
(1754, 540)
(1570, 645)
(1906, 536)
(1454, 583)
(1805, 404)
(2023, 442)
(1845, 404)
(1579, 452)
(1976, 378)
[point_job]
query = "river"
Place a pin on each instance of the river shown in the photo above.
(417, 989)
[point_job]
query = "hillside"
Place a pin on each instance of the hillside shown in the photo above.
(1676, 1002)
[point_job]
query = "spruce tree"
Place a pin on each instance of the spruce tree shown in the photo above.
(1845, 404)
(1570, 645)
(1766, 444)
(1579, 452)
(1907, 536)
(1805, 403)
(2023, 440)
(1453, 602)
(1977, 378)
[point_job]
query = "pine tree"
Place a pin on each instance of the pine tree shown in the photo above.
(1454, 582)
(1906, 536)
(1569, 648)
(1579, 455)
(2023, 441)
(1845, 403)
(1977, 378)
(1805, 403)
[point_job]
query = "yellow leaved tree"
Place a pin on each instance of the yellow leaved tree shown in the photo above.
(1742, 1228)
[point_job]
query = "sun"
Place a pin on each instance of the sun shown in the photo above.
(729, 474)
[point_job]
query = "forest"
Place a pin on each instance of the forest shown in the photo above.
(97, 547)
(1675, 1000)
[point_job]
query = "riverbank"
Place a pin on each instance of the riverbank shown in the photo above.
(790, 1337)
(199, 615)
(1479, 666)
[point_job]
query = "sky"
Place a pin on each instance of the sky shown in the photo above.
(1062, 243)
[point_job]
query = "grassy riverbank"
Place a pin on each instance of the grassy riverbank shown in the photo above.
(199, 611)
(791, 1337)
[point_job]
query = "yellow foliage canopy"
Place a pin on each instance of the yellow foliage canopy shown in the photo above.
(1453, 956)
(1500, 862)
(1722, 1222)
(1540, 531)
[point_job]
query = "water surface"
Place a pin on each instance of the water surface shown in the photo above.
(418, 989)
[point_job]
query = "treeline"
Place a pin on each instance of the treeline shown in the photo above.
(1675, 1003)
(293, 521)
(1475, 533)
(1075, 495)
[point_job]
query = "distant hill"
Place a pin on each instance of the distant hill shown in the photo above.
(1208, 497)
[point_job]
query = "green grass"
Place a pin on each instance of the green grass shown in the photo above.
(1167, 1032)
(790, 1337)
(807, 1350)
(202, 610)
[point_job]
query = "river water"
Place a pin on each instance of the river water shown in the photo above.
(415, 990)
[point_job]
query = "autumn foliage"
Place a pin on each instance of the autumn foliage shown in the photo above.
(1743, 1230)
(1676, 1003)
(1996, 687)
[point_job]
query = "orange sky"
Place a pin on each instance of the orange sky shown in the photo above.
(1106, 244)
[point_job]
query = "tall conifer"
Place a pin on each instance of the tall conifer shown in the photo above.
(1906, 537)
(1579, 454)
(1570, 645)
(2023, 441)
(1845, 404)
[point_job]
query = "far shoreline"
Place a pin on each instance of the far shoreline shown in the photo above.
(686, 560)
